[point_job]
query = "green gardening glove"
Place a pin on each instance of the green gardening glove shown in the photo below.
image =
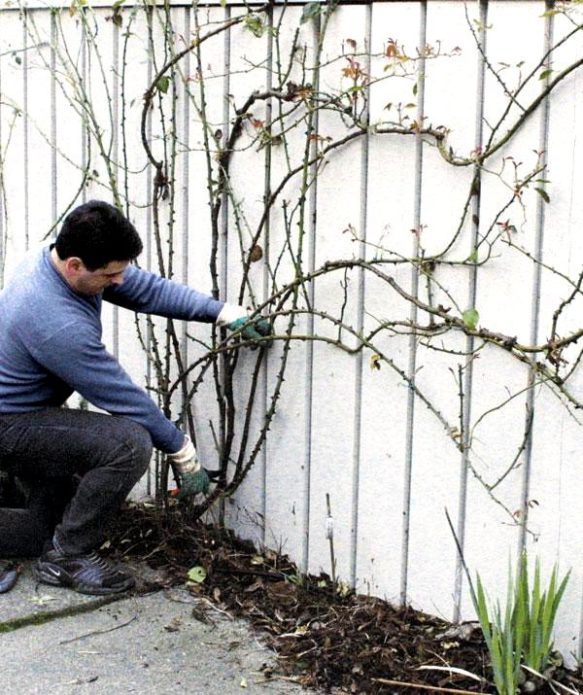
(192, 484)
(252, 329)
(192, 477)
(236, 319)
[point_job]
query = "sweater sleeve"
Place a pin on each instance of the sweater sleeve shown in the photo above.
(80, 359)
(148, 293)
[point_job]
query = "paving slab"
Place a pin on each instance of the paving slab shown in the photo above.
(56, 641)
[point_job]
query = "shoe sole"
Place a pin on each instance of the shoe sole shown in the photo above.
(67, 582)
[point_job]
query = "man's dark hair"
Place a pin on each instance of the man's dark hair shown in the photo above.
(98, 233)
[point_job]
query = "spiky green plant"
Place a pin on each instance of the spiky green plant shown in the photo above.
(522, 634)
(535, 613)
(503, 641)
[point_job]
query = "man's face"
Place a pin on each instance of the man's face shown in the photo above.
(92, 282)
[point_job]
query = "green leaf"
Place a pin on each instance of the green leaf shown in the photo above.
(117, 18)
(311, 10)
(163, 84)
(544, 74)
(471, 318)
(254, 24)
(196, 574)
(543, 194)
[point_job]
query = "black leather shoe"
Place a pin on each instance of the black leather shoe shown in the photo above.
(87, 574)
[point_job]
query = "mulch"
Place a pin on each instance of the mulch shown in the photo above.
(325, 636)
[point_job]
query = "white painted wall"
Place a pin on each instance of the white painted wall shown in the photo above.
(343, 429)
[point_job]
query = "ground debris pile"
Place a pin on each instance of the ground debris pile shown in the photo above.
(325, 636)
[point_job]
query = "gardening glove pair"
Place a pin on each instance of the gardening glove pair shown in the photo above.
(193, 479)
(236, 318)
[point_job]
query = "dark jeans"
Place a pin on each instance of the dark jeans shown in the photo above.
(78, 466)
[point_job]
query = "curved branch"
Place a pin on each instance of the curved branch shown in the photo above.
(151, 90)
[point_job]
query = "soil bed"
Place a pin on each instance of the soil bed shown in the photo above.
(325, 636)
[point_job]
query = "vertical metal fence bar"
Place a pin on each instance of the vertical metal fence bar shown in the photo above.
(115, 151)
(309, 395)
(536, 290)
(2, 191)
(224, 225)
(25, 122)
(469, 346)
(263, 393)
(85, 131)
(579, 653)
(152, 478)
(185, 198)
(359, 361)
(412, 365)
(53, 108)
(223, 241)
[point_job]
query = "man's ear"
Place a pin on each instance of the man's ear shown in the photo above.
(73, 265)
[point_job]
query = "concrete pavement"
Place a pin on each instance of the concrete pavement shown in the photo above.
(55, 641)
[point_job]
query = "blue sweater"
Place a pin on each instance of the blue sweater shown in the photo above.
(51, 342)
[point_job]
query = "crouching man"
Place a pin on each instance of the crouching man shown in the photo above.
(78, 466)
